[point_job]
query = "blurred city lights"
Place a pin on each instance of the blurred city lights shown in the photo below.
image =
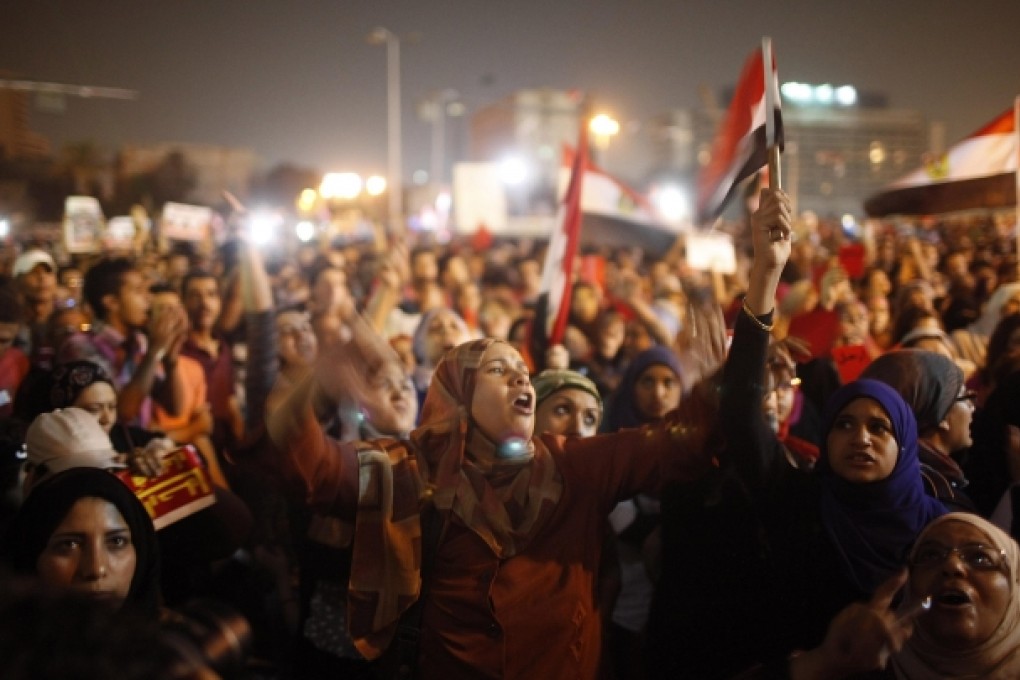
(802, 93)
(375, 185)
(342, 185)
(876, 153)
(513, 171)
(263, 227)
(604, 126)
(672, 203)
(306, 200)
(305, 231)
(444, 201)
(846, 95)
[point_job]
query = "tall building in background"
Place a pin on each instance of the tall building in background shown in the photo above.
(525, 132)
(17, 140)
(842, 145)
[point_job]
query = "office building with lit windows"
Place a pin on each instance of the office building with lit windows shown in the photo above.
(842, 145)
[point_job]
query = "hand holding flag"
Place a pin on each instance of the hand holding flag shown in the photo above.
(743, 145)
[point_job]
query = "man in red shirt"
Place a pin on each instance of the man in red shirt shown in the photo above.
(205, 344)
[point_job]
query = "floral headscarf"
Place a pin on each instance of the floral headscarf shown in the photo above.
(71, 379)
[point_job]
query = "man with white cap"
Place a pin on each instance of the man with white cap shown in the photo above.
(36, 275)
(64, 439)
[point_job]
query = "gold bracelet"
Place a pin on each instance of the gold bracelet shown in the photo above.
(747, 310)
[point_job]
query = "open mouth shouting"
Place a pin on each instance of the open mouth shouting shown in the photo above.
(524, 403)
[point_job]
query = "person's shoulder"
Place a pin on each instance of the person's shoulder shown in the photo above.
(15, 359)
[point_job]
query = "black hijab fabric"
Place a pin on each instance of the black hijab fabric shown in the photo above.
(51, 500)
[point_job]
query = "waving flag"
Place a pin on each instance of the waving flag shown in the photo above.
(604, 194)
(740, 148)
(559, 259)
(979, 172)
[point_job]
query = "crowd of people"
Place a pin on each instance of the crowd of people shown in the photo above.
(367, 459)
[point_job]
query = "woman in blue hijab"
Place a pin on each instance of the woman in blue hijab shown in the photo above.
(651, 387)
(766, 554)
(873, 504)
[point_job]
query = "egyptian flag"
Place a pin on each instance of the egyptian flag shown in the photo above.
(979, 172)
(553, 306)
(740, 147)
(606, 195)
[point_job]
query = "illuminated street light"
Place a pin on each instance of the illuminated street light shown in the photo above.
(604, 128)
(306, 201)
(375, 185)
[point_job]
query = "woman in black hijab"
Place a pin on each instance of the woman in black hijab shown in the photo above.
(33, 543)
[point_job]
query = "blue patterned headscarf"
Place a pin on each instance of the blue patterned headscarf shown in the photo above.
(622, 411)
(873, 525)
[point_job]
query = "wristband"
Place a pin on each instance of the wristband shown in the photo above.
(758, 322)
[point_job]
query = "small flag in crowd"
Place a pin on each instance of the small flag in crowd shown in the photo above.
(559, 260)
(978, 172)
(740, 148)
(603, 194)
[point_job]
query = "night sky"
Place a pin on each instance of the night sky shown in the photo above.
(296, 81)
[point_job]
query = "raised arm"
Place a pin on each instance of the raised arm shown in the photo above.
(749, 444)
(260, 331)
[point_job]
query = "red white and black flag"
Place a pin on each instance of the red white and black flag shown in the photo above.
(741, 147)
(978, 172)
(559, 260)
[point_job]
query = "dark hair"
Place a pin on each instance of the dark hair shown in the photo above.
(105, 278)
(10, 308)
(197, 275)
(908, 318)
(419, 250)
(162, 287)
(50, 501)
(319, 266)
(998, 344)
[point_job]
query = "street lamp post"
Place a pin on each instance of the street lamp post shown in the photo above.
(382, 36)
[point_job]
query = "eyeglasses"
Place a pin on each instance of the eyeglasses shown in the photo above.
(975, 556)
(969, 395)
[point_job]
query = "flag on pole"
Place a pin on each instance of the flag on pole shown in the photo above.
(978, 172)
(604, 194)
(740, 147)
(559, 259)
